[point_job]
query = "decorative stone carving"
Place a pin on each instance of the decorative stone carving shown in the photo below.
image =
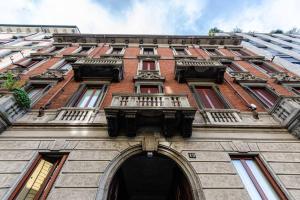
(109, 68)
(49, 75)
(170, 113)
(3, 76)
(199, 69)
(149, 75)
(246, 77)
(287, 111)
(283, 77)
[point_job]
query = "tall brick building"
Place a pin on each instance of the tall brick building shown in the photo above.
(149, 117)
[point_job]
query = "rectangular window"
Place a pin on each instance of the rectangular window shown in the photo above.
(64, 66)
(181, 51)
(39, 179)
(90, 97)
(257, 181)
(116, 50)
(239, 52)
(291, 59)
(264, 95)
(148, 65)
(212, 52)
(36, 91)
(148, 51)
(296, 90)
(84, 50)
(149, 89)
(232, 67)
(57, 50)
(28, 63)
(265, 67)
(209, 98)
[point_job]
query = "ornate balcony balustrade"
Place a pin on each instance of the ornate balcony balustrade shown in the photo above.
(95, 68)
(75, 115)
(171, 113)
(287, 111)
(224, 116)
(210, 70)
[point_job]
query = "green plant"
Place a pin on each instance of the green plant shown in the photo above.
(10, 82)
(214, 30)
(22, 98)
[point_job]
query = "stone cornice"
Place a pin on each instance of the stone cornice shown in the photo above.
(148, 39)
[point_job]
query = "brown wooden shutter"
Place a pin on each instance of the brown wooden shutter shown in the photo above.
(209, 98)
(148, 65)
(149, 89)
(268, 98)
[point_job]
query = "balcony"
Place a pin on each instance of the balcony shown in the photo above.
(169, 113)
(287, 111)
(195, 69)
(98, 68)
(75, 115)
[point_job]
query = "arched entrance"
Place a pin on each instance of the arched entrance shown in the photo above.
(134, 175)
(144, 177)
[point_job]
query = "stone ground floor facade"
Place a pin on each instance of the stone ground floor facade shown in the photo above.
(204, 159)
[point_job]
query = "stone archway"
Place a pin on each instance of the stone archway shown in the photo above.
(172, 161)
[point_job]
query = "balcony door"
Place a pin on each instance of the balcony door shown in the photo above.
(149, 178)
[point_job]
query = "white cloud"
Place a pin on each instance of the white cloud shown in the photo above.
(142, 17)
(263, 17)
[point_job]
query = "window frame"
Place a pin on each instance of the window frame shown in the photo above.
(248, 86)
(154, 47)
(185, 48)
(138, 85)
(140, 65)
(48, 185)
(291, 86)
(74, 99)
(216, 89)
(265, 170)
(111, 48)
(47, 87)
(255, 62)
(216, 50)
(80, 48)
(232, 62)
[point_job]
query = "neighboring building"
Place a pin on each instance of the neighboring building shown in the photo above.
(282, 49)
(154, 117)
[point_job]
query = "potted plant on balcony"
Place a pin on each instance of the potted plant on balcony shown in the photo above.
(11, 86)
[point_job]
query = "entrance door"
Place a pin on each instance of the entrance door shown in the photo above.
(149, 178)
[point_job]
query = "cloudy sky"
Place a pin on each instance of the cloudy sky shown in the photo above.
(155, 16)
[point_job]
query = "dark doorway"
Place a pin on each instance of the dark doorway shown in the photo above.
(149, 178)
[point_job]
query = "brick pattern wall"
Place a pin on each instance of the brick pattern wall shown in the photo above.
(167, 65)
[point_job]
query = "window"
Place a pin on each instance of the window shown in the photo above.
(57, 50)
(148, 51)
(257, 181)
(208, 97)
(116, 50)
(149, 89)
(87, 96)
(37, 182)
(148, 65)
(296, 90)
(180, 51)
(28, 63)
(84, 50)
(239, 52)
(265, 67)
(213, 52)
(264, 95)
(233, 67)
(36, 91)
(65, 66)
